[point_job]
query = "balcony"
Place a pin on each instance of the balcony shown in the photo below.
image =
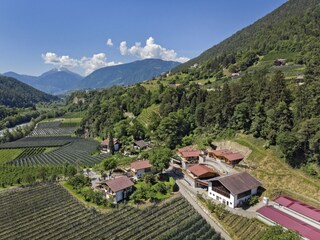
(221, 191)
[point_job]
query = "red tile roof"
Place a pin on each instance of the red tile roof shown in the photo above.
(189, 152)
(221, 152)
(234, 156)
(290, 222)
(141, 164)
(119, 183)
(229, 155)
(299, 207)
(200, 170)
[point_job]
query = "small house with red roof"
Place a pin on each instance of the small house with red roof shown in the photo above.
(105, 145)
(199, 174)
(139, 168)
(118, 188)
(188, 155)
(226, 155)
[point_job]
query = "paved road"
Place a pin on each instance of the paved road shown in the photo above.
(188, 195)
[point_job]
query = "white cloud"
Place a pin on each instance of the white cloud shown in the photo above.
(88, 64)
(150, 50)
(63, 61)
(95, 62)
(109, 42)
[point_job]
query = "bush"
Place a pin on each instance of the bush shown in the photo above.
(78, 182)
(253, 200)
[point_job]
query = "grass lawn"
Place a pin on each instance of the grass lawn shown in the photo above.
(7, 155)
(70, 122)
(276, 175)
(50, 149)
(74, 115)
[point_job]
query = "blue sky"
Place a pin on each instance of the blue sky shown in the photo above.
(37, 35)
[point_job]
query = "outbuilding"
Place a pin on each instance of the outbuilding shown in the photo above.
(199, 173)
(226, 155)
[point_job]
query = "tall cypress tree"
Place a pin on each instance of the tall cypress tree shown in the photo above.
(111, 143)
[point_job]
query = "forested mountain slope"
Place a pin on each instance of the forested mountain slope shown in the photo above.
(14, 93)
(293, 27)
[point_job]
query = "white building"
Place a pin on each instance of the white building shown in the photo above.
(139, 168)
(233, 190)
(118, 188)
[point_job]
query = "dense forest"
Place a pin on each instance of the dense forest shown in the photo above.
(14, 93)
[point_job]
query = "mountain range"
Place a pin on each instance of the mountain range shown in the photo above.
(59, 81)
(127, 74)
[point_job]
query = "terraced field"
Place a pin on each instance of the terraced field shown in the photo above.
(146, 114)
(49, 212)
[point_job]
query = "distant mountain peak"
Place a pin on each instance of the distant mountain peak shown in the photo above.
(127, 73)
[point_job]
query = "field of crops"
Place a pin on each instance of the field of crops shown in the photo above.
(53, 141)
(31, 152)
(54, 128)
(49, 212)
(7, 155)
(244, 228)
(79, 151)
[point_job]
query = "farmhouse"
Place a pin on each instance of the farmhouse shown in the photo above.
(141, 144)
(139, 168)
(233, 190)
(188, 156)
(274, 216)
(199, 173)
(105, 145)
(226, 155)
(118, 188)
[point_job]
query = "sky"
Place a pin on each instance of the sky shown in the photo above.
(84, 35)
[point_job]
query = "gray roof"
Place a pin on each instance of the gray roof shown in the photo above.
(141, 143)
(238, 182)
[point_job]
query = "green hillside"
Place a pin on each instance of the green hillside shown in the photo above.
(17, 94)
(292, 28)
